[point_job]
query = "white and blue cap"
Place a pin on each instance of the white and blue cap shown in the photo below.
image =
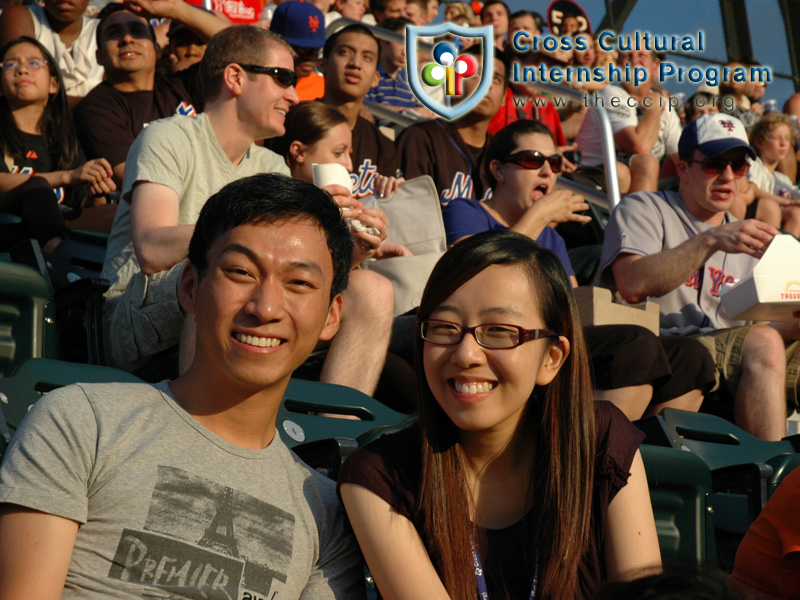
(713, 135)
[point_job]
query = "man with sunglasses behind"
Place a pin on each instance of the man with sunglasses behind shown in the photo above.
(680, 248)
(172, 168)
(133, 94)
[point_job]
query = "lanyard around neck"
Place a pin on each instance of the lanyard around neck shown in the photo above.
(480, 578)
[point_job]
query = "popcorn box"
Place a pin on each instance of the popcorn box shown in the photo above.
(597, 307)
(772, 291)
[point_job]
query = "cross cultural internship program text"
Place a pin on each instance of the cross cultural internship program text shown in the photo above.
(524, 42)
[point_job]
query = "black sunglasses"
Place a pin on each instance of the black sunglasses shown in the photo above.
(717, 166)
(533, 159)
(284, 77)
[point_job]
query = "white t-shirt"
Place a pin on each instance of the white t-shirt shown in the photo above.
(78, 63)
(624, 115)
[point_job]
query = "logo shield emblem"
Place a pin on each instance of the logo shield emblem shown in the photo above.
(448, 69)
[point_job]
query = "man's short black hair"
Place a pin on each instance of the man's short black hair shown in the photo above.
(396, 24)
(492, 3)
(330, 43)
(271, 198)
(537, 18)
(115, 7)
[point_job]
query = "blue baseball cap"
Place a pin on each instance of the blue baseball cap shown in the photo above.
(299, 23)
(713, 135)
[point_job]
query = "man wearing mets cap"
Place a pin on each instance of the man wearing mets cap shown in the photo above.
(680, 248)
(302, 25)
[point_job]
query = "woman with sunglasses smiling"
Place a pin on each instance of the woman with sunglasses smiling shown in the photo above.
(633, 368)
(514, 483)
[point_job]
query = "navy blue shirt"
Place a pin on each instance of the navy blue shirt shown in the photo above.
(465, 216)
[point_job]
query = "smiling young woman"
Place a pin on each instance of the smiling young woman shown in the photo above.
(515, 482)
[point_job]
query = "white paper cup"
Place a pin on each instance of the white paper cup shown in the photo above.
(331, 174)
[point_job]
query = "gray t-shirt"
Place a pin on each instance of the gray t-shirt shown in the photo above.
(169, 509)
(183, 154)
(646, 223)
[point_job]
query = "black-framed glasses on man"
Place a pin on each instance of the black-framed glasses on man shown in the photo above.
(284, 77)
(488, 335)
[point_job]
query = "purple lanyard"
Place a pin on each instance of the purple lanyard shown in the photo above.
(480, 578)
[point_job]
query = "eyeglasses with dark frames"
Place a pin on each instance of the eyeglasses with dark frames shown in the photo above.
(533, 159)
(489, 335)
(33, 64)
(717, 166)
(284, 77)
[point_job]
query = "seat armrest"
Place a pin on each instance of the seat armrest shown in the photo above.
(326, 455)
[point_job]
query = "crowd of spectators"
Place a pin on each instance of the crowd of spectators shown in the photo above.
(108, 123)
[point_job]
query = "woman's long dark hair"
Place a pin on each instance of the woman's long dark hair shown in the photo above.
(56, 122)
(559, 419)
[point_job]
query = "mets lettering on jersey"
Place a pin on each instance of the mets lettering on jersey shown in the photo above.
(718, 280)
(460, 187)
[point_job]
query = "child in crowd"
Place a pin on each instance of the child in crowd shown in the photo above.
(66, 32)
(515, 483)
(43, 165)
(775, 196)
(393, 90)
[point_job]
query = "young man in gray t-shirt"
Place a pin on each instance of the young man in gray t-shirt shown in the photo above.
(680, 249)
(182, 489)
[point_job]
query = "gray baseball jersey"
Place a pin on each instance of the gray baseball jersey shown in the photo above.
(646, 223)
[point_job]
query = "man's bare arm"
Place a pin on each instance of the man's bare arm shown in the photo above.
(158, 240)
(642, 138)
(15, 22)
(119, 173)
(204, 23)
(639, 277)
(35, 553)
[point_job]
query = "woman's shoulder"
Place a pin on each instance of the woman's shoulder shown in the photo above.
(459, 204)
(617, 443)
(389, 467)
(391, 452)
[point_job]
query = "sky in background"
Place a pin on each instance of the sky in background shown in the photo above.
(687, 17)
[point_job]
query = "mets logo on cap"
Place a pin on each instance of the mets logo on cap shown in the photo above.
(449, 69)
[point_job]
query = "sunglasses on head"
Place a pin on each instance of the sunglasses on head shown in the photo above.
(717, 166)
(285, 77)
(533, 159)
